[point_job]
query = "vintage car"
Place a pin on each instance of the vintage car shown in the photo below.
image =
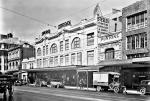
(56, 83)
(20, 82)
(144, 87)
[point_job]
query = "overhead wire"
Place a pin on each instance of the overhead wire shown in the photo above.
(40, 21)
(29, 17)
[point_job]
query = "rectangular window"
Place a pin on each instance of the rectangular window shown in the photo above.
(45, 62)
(129, 21)
(90, 57)
(137, 41)
(128, 42)
(133, 42)
(61, 60)
(73, 59)
(51, 61)
(39, 63)
(46, 49)
(66, 44)
(90, 39)
(56, 61)
(142, 40)
(137, 19)
(142, 17)
(145, 36)
(61, 45)
(43, 50)
(79, 58)
(66, 59)
(31, 67)
(133, 20)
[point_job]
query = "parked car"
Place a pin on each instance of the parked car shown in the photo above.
(144, 87)
(17, 83)
(56, 83)
(20, 82)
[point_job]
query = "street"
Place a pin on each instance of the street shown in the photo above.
(24, 93)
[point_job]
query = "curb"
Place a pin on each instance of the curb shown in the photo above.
(78, 88)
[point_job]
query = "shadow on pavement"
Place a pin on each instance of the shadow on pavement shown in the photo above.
(7, 98)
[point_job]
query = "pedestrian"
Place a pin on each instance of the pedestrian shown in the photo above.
(81, 83)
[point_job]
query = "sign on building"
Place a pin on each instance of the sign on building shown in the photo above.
(46, 32)
(67, 23)
(102, 25)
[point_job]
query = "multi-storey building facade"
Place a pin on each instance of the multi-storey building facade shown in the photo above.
(110, 44)
(135, 46)
(27, 65)
(5, 44)
(73, 46)
(69, 48)
(17, 54)
(63, 54)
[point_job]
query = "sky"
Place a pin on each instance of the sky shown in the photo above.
(52, 12)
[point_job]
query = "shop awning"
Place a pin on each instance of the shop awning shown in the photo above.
(115, 62)
(72, 67)
(89, 68)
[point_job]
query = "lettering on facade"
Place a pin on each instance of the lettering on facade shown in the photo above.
(102, 25)
(46, 32)
(109, 37)
(67, 23)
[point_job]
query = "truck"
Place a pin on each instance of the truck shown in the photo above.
(107, 81)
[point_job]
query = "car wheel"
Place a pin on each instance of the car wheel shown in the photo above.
(57, 86)
(99, 88)
(143, 91)
(116, 89)
(124, 90)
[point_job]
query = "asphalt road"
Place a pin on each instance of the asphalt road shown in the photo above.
(24, 93)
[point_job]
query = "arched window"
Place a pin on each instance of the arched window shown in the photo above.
(39, 52)
(53, 48)
(109, 54)
(75, 43)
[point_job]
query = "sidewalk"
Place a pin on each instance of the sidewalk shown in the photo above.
(93, 89)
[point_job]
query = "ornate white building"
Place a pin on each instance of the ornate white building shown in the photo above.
(71, 45)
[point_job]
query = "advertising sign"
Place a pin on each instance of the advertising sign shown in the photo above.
(64, 24)
(102, 25)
